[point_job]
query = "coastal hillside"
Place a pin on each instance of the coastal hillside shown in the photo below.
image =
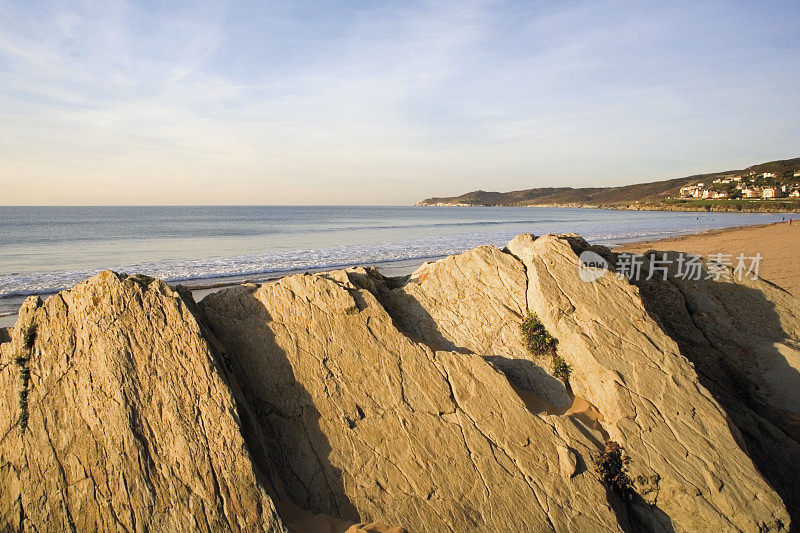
(494, 390)
(653, 192)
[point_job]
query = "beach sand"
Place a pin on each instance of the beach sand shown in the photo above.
(778, 244)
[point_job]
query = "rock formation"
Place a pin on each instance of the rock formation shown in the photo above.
(350, 400)
(686, 460)
(743, 336)
(370, 424)
(130, 424)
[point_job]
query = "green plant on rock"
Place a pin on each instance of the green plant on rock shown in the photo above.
(22, 360)
(29, 336)
(144, 279)
(535, 336)
(561, 370)
(23, 409)
(25, 376)
(612, 469)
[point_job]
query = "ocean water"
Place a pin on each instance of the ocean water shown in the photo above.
(46, 249)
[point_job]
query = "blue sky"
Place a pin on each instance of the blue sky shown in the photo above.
(384, 102)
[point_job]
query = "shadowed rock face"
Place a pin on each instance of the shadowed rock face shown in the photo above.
(405, 401)
(367, 423)
(130, 424)
(743, 336)
(685, 459)
(381, 374)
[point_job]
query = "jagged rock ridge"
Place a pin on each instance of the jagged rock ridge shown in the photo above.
(369, 424)
(408, 401)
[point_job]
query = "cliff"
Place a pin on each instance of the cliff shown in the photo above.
(351, 400)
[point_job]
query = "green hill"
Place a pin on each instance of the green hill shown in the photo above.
(653, 193)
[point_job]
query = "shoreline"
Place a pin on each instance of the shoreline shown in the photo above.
(678, 241)
(638, 244)
(202, 287)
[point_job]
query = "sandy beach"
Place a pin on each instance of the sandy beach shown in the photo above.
(778, 244)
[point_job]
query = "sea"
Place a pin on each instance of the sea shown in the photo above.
(47, 249)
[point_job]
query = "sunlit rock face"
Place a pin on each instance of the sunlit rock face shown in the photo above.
(348, 400)
(130, 424)
(376, 367)
(686, 461)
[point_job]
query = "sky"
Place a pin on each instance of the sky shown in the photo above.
(384, 103)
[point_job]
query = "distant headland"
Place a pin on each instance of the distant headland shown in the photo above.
(766, 187)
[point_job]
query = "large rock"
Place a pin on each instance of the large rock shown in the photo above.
(743, 336)
(356, 399)
(685, 458)
(473, 302)
(131, 425)
(366, 423)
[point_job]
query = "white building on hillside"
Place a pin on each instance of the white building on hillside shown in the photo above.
(691, 191)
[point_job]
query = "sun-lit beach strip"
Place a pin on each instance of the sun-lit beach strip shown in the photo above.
(777, 244)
